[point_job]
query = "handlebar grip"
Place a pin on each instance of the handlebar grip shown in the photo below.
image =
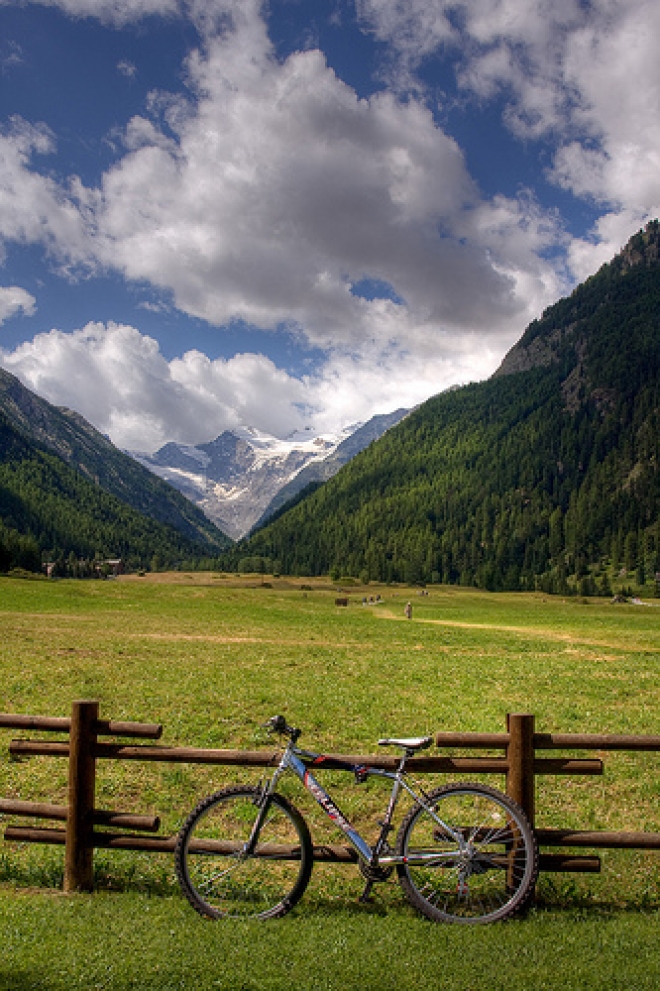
(276, 724)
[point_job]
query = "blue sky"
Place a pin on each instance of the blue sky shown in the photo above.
(299, 213)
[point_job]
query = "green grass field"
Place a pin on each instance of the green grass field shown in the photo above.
(211, 657)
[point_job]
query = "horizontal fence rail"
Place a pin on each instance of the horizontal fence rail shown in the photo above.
(260, 758)
(100, 817)
(519, 763)
(552, 741)
(62, 724)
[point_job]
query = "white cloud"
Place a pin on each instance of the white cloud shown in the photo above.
(268, 194)
(15, 300)
(115, 12)
(354, 387)
(119, 380)
(11, 55)
(270, 191)
(614, 65)
(273, 190)
(500, 46)
(207, 15)
(126, 68)
(584, 75)
(34, 208)
(281, 189)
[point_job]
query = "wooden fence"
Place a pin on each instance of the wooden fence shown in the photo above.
(520, 763)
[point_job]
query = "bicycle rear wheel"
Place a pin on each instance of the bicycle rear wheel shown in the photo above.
(487, 875)
(216, 876)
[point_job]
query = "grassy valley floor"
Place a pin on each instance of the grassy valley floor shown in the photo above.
(212, 657)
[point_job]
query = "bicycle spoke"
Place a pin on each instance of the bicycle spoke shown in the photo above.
(487, 875)
(220, 879)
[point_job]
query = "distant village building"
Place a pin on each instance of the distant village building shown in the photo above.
(116, 566)
(102, 569)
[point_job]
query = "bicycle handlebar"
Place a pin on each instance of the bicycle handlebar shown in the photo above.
(278, 724)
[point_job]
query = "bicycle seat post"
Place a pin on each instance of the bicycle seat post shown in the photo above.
(405, 756)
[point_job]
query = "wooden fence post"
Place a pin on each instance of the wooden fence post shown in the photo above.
(79, 852)
(520, 756)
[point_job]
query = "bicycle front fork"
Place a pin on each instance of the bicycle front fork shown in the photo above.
(263, 805)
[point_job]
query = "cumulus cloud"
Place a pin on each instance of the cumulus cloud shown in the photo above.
(120, 381)
(15, 300)
(585, 75)
(354, 387)
(34, 208)
(274, 190)
(270, 192)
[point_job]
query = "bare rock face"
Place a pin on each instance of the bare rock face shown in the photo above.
(643, 248)
(541, 351)
(540, 347)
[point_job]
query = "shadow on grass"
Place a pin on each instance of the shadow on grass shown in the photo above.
(554, 895)
(31, 877)
(317, 904)
(13, 980)
(560, 898)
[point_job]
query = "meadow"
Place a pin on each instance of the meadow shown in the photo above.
(212, 657)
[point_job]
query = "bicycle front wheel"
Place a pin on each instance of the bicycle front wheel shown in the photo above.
(471, 855)
(217, 876)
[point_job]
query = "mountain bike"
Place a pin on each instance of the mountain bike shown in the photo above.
(464, 853)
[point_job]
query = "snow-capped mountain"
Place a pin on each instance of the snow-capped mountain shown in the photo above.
(235, 477)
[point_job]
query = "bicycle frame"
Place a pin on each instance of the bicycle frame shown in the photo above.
(372, 856)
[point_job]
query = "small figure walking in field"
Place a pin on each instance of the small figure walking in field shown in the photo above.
(408, 610)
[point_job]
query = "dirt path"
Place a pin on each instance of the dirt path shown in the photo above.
(531, 632)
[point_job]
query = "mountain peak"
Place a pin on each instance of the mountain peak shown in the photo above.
(643, 248)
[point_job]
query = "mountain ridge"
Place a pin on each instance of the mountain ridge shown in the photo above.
(50, 511)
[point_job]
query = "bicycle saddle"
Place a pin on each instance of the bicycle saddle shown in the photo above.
(411, 743)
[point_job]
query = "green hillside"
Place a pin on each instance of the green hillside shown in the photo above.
(546, 476)
(76, 442)
(49, 510)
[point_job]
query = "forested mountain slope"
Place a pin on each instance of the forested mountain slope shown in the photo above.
(546, 476)
(77, 443)
(49, 510)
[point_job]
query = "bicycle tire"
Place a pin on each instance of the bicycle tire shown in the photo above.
(215, 876)
(491, 879)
